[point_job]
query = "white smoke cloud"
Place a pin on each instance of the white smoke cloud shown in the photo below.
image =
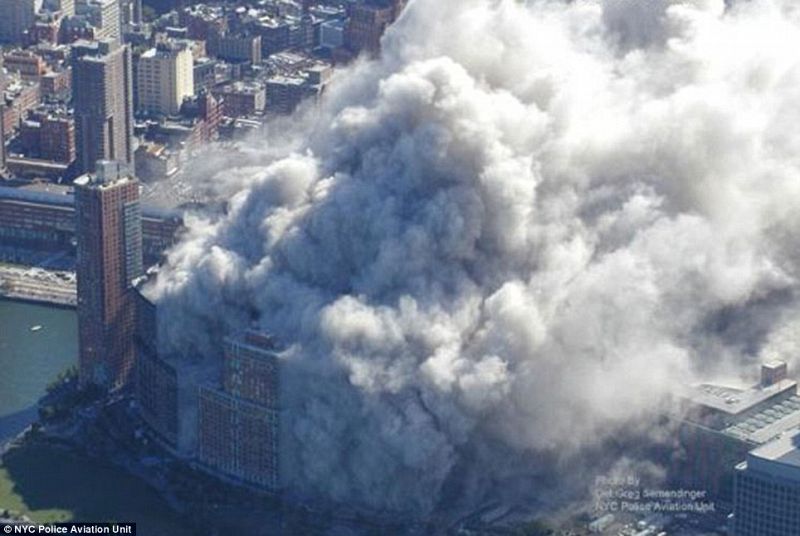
(513, 235)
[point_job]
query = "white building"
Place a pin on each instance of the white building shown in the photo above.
(767, 494)
(165, 77)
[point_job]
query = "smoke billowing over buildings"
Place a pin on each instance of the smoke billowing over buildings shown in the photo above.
(509, 238)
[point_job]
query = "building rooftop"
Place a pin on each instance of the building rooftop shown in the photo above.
(334, 23)
(734, 400)
(63, 196)
(769, 423)
(241, 86)
(286, 81)
(166, 49)
(108, 173)
(785, 450)
(46, 187)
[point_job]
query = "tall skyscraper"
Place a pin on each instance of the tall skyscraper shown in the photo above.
(102, 97)
(109, 233)
(239, 421)
(104, 15)
(164, 77)
(767, 497)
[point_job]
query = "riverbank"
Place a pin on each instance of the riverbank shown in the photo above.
(37, 285)
(49, 482)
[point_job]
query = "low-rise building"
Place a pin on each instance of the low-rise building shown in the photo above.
(38, 217)
(242, 99)
(284, 94)
(55, 138)
(56, 85)
(235, 47)
(275, 35)
(20, 97)
(155, 161)
(29, 65)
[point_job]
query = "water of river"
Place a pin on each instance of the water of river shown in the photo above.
(29, 360)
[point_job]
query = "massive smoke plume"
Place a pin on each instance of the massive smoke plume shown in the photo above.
(510, 237)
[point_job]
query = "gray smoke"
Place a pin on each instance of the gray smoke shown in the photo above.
(511, 238)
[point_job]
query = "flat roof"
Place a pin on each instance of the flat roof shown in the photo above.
(64, 197)
(735, 400)
(99, 182)
(61, 189)
(768, 423)
(36, 163)
(785, 450)
(286, 80)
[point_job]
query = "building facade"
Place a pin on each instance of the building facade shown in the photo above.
(235, 48)
(56, 85)
(49, 136)
(104, 16)
(21, 97)
(284, 94)
(109, 236)
(57, 141)
(102, 98)
(239, 420)
(767, 495)
(366, 23)
(242, 100)
(164, 78)
(28, 65)
(157, 381)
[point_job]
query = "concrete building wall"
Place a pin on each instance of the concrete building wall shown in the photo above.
(165, 78)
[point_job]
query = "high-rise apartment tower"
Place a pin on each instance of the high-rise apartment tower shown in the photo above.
(102, 97)
(109, 233)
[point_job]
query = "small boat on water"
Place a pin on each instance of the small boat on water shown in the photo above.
(37, 327)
